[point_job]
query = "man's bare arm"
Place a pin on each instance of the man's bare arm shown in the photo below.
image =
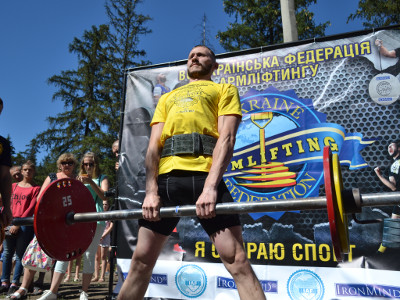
(222, 154)
(151, 203)
(391, 183)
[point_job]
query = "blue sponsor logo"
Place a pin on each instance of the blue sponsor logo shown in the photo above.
(367, 290)
(159, 279)
(305, 284)
(191, 281)
(268, 286)
(382, 77)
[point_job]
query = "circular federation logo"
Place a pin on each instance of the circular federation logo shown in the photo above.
(191, 281)
(384, 89)
(305, 284)
(274, 155)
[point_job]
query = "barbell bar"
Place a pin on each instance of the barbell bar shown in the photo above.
(65, 215)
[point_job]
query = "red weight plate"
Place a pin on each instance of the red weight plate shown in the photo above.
(330, 200)
(58, 239)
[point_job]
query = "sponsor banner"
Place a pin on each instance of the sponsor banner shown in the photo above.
(209, 281)
(342, 93)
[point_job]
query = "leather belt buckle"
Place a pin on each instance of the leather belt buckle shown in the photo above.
(197, 144)
(172, 145)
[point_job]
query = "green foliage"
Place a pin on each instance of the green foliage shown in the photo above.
(92, 92)
(377, 13)
(46, 167)
(18, 159)
(126, 27)
(259, 23)
(84, 125)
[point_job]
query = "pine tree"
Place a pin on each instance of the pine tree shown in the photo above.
(126, 27)
(81, 126)
(92, 93)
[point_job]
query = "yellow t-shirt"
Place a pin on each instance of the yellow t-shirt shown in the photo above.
(194, 107)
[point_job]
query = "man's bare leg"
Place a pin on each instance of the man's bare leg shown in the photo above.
(229, 244)
(144, 258)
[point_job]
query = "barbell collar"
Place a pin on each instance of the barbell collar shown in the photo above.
(351, 201)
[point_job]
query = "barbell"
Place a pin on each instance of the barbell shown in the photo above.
(65, 215)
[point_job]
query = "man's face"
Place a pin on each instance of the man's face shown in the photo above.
(393, 149)
(16, 174)
(162, 78)
(200, 64)
(115, 150)
(28, 171)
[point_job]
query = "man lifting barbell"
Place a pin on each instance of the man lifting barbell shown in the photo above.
(185, 161)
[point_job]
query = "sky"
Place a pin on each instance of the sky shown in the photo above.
(35, 36)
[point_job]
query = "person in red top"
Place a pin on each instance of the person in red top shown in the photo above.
(23, 200)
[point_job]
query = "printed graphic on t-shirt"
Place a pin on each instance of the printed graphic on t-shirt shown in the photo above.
(395, 167)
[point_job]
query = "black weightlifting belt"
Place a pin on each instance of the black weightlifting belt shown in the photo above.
(189, 144)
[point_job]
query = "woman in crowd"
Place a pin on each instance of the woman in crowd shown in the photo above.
(103, 249)
(97, 183)
(66, 165)
(23, 200)
(77, 269)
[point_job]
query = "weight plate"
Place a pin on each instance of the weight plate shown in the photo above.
(330, 203)
(341, 221)
(58, 239)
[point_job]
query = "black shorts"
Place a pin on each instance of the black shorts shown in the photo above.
(184, 188)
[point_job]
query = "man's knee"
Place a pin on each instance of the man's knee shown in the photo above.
(236, 262)
(142, 263)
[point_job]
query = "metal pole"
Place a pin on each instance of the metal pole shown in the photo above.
(313, 203)
(289, 25)
(28, 221)
(316, 203)
(381, 199)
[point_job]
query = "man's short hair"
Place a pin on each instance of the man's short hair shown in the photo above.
(212, 52)
(15, 167)
(397, 142)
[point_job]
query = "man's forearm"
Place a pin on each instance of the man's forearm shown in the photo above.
(151, 163)
(221, 157)
(223, 150)
(152, 160)
(388, 183)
